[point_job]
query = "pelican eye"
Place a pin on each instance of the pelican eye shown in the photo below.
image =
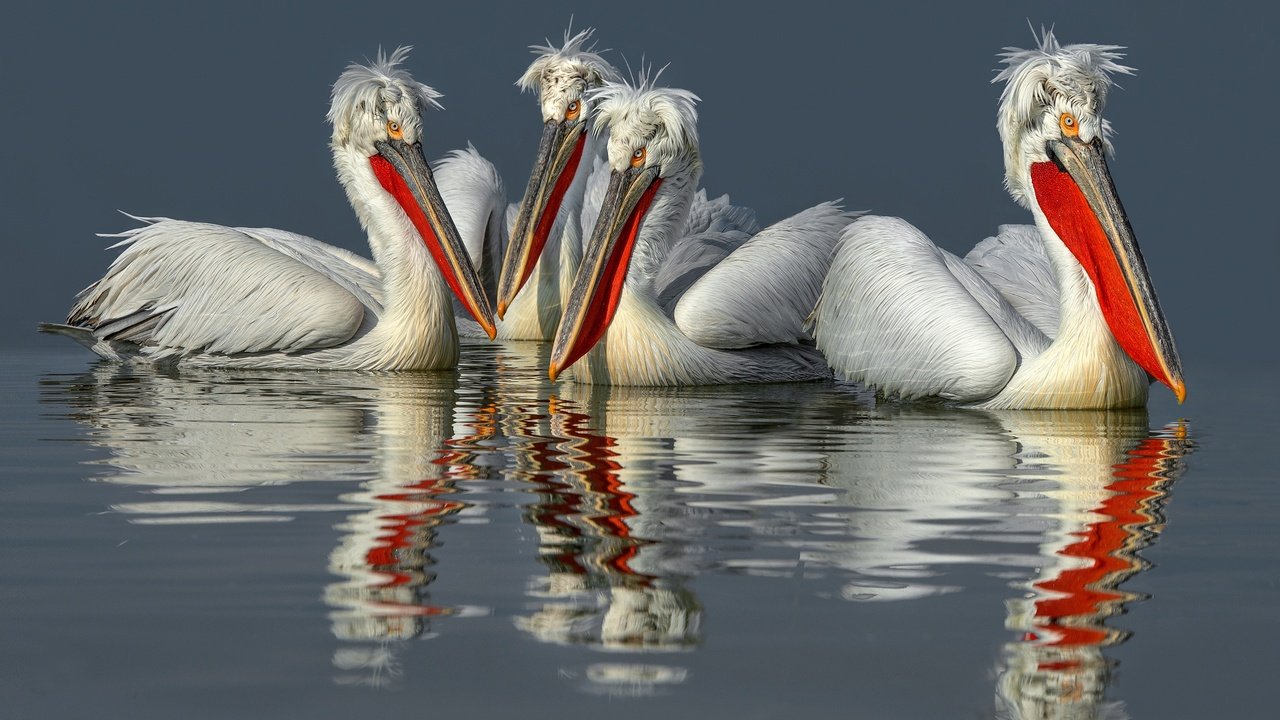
(394, 130)
(1070, 126)
(637, 157)
(573, 110)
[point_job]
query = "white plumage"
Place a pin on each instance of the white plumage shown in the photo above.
(203, 294)
(1056, 315)
(564, 194)
(559, 76)
(716, 306)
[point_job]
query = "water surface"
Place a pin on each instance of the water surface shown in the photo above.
(209, 544)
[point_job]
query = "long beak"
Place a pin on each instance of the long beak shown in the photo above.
(559, 153)
(403, 172)
(598, 286)
(1086, 213)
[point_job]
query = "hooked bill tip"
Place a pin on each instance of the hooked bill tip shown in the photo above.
(552, 371)
(502, 309)
(1180, 391)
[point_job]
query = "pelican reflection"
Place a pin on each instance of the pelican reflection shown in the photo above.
(1056, 668)
(619, 542)
(641, 490)
(641, 497)
(207, 447)
(607, 585)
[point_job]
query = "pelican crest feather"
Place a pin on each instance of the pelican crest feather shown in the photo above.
(661, 119)
(1042, 82)
(380, 87)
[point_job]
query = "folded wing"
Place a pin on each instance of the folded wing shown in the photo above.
(761, 293)
(183, 287)
(894, 314)
(477, 202)
(1015, 262)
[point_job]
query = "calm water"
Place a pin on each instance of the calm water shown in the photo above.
(215, 544)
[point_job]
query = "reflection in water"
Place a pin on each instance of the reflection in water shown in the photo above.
(203, 434)
(1069, 496)
(605, 585)
(636, 493)
(609, 584)
(1110, 512)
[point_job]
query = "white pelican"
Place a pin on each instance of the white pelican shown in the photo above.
(548, 216)
(209, 295)
(568, 170)
(1056, 315)
(653, 306)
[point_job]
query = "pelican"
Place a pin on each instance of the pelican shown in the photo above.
(1057, 315)
(651, 305)
(565, 189)
(548, 216)
(207, 295)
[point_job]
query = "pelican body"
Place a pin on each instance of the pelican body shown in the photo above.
(209, 295)
(652, 305)
(1059, 315)
(565, 190)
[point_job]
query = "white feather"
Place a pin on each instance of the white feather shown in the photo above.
(1055, 78)
(748, 295)
(762, 292)
(1015, 262)
(1017, 323)
(893, 316)
(204, 294)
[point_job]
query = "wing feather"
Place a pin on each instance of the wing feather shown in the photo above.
(765, 289)
(690, 259)
(183, 287)
(593, 198)
(477, 202)
(719, 215)
(1015, 262)
(893, 315)
(357, 275)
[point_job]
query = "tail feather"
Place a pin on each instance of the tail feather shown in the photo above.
(86, 337)
(82, 335)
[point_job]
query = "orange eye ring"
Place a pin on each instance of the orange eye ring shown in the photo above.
(573, 111)
(394, 130)
(638, 157)
(1069, 124)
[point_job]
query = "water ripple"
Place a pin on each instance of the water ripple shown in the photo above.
(634, 494)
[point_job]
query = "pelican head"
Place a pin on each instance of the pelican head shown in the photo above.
(562, 77)
(654, 162)
(1055, 145)
(376, 112)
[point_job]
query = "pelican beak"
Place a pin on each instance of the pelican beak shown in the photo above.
(559, 153)
(1078, 198)
(598, 286)
(403, 172)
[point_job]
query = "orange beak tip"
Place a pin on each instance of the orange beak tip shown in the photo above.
(553, 371)
(1180, 391)
(502, 309)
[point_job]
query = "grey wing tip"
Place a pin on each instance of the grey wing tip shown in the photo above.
(56, 328)
(82, 335)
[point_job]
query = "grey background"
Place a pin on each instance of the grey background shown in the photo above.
(217, 113)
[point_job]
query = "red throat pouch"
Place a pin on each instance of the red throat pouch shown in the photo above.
(1074, 221)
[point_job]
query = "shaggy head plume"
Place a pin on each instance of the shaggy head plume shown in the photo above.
(560, 75)
(662, 120)
(365, 97)
(1042, 83)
